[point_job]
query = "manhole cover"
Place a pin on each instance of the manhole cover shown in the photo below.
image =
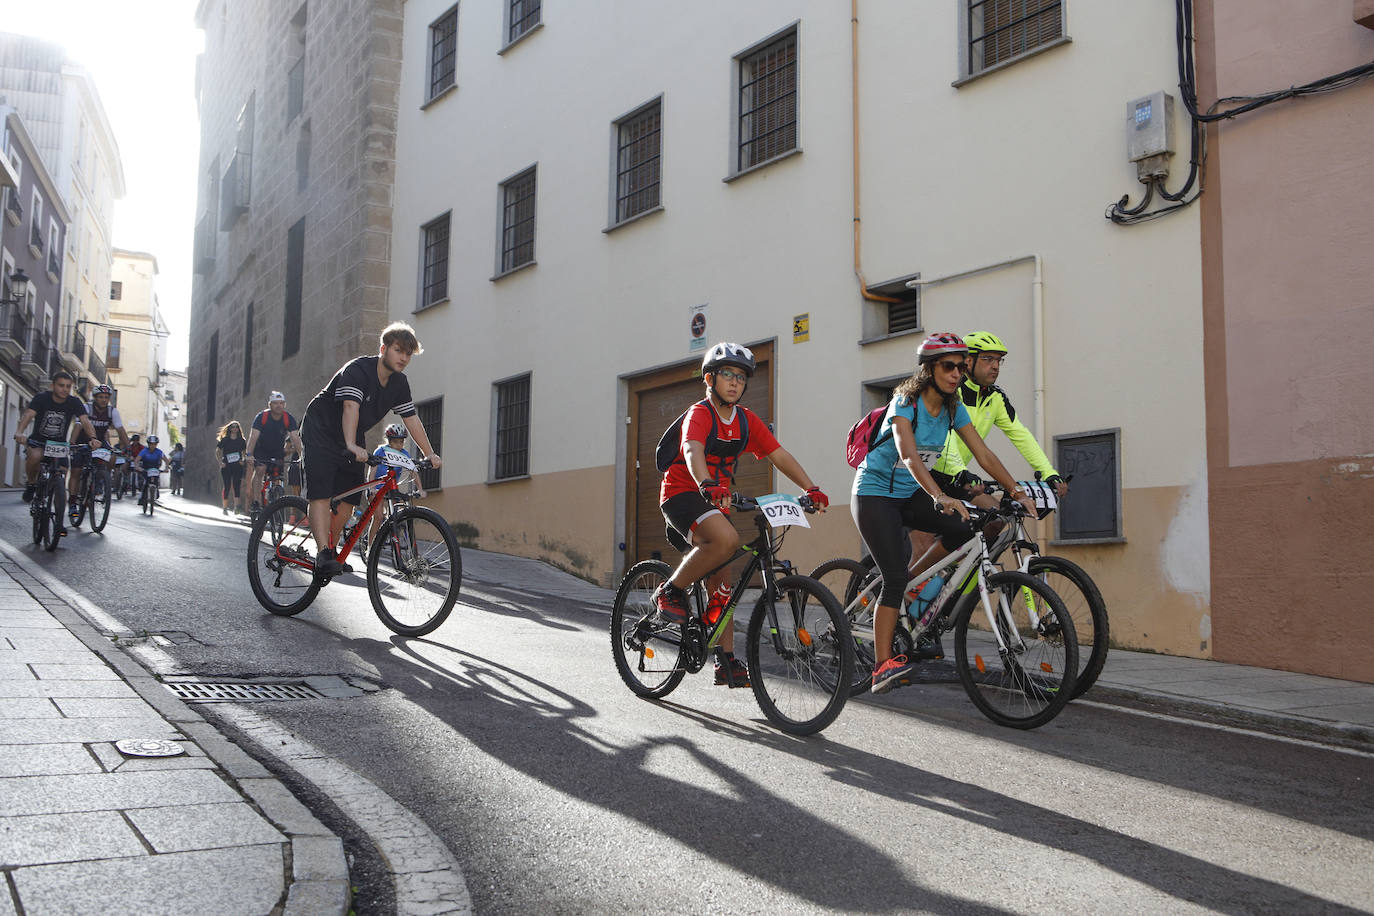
(199, 691)
(149, 747)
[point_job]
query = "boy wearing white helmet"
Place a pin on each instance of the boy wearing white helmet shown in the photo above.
(695, 495)
(267, 439)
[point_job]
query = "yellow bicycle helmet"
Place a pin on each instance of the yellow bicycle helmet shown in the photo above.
(980, 341)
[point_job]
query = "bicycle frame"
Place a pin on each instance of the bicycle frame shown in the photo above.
(974, 564)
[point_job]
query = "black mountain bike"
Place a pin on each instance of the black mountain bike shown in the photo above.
(50, 494)
(151, 477)
(798, 646)
(93, 491)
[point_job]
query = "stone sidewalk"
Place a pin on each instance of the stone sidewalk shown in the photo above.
(87, 828)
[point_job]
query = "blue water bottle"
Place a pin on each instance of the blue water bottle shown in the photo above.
(923, 605)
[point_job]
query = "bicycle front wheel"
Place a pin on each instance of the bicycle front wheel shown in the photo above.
(1089, 612)
(281, 558)
(83, 499)
(39, 510)
(647, 649)
(1026, 680)
(100, 500)
(55, 504)
(846, 579)
(801, 657)
(414, 571)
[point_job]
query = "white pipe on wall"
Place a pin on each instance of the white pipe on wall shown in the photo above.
(1037, 326)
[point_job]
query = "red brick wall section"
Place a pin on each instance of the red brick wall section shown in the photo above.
(1291, 587)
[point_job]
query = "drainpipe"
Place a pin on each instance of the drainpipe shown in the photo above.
(854, 133)
(1037, 326)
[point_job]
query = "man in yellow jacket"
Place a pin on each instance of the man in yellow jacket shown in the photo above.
(989, 406)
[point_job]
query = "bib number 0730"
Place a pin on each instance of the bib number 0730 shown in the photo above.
(781, 510)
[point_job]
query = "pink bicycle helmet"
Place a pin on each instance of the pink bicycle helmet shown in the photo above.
(945, 343)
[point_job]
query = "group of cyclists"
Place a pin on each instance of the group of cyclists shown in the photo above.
(52, 414)
(262, 454)
(908, 493)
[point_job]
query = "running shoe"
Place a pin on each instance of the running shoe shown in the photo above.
(735, 674)
(671, 603)
(28, 492)
(891, 673)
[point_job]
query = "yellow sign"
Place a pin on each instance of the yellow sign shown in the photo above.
(801, 328)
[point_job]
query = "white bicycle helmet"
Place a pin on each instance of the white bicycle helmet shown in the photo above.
(395, 431)
(728, 354)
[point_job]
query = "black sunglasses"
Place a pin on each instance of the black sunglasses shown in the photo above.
(950, 366)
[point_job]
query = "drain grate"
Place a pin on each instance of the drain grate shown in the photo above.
(199, 691)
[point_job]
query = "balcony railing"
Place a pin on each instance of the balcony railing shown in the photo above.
(235, 189)
(14, 331)
(36, 241)
(79, 345)
(13, 207)
(34, 360)
(54, 266)
(97, 367)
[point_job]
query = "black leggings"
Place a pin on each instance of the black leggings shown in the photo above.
(232, 475)
(881, 521)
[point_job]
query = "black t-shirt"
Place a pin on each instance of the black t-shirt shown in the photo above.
(51, 419)
(272, 434)
(229, 447)
(356, 382)
(102, 424)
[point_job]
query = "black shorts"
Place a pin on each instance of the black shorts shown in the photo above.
(293, 474)
(330, 470)
(683, 513)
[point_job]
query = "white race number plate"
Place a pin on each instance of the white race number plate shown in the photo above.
(781, 510)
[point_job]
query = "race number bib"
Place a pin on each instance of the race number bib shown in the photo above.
(56, 450)
(929, 456)
(101, 454)
(121, 460)
(232, 458)
(1041, 493)
(782, 510)
(397, 459)
(153, 472)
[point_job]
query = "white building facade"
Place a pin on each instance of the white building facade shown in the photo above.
(576, 186)
(137, 349)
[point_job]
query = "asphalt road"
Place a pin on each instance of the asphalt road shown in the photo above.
(510, 734)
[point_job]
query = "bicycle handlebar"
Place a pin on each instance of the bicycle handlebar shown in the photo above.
(374, 460)
(750, 504)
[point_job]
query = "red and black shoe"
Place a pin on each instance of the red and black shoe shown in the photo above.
(733, 673)
(671, 603)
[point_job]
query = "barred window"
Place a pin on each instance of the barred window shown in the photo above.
(517, 221)
(639, 149)
(767, 101)
(443, 48)
(295, 285)
(247, 352)
(212, 378)
(295, 89)
(999, 30)
(431, 417)
(434, 280)
(511, 448)
(113, 342)
(522, 15)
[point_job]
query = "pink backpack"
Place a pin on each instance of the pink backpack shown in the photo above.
(863, 436)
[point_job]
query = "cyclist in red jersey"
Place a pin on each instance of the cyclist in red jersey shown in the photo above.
(695, 495)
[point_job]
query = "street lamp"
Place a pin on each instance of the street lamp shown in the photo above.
(19, 285)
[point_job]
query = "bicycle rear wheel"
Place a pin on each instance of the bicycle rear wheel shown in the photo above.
(83, 498)
(646, 649)
(1089, 612)
(414, 571)
(281, 558)
(1026, 684)
(55, 504)
(99, 500)
(802, 672)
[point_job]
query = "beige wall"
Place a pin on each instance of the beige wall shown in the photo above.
(1287, 313)
(136, 314)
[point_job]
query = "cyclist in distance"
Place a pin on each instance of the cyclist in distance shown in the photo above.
(177, 462)
(695, 494)
(989, 406)
(52, 412)
(267, 440)
(894, 489)
(336, 422)
(133, 477)
(231, 449)
(104, 416)
(150, 457)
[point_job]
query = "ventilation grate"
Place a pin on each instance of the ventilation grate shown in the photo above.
(201, 692)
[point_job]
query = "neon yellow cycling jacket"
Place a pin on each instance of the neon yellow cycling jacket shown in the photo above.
(989, 407)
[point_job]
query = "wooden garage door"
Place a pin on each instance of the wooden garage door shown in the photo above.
(655, 406)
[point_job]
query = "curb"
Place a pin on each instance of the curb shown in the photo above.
(319, 880)
(1324, 731)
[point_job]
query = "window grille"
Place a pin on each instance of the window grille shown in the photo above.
(639, 149)
(112, 350)
(443, 49)
(212, 378)
(431, 416)
(247, 352)
(517, 221)
(768, 102)
(512, 456)
(999, 30)
(295, 90)
(434, 284)
(524, 15)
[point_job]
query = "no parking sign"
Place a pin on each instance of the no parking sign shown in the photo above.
(696, 327)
